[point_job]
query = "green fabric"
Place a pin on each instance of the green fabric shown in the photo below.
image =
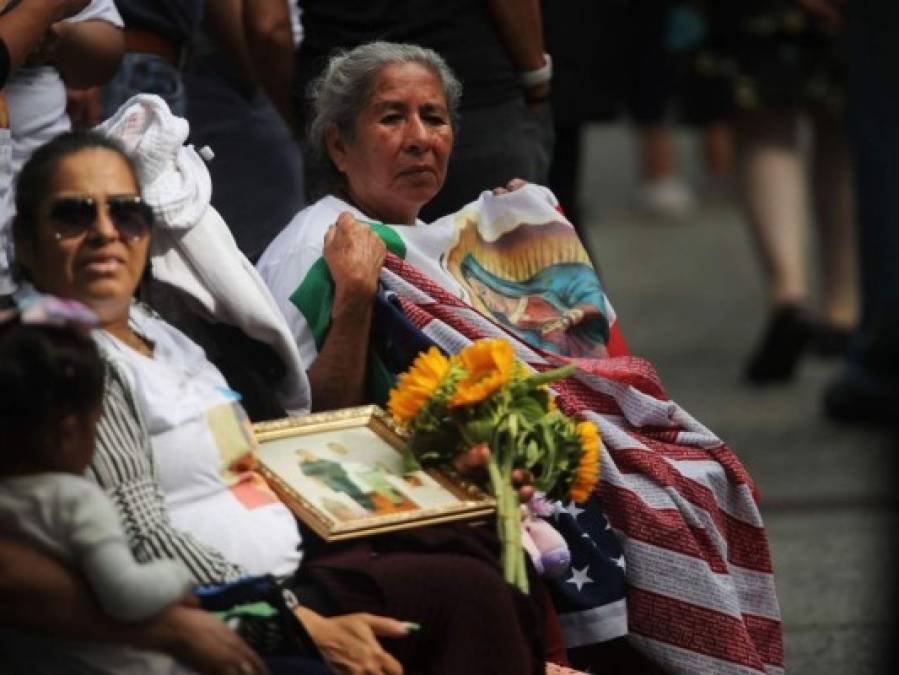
(256, 609)
(314, 298)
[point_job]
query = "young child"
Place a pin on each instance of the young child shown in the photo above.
(51, 387)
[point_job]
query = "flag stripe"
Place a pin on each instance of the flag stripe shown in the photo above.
(684, 624)
(652, 568)
(681, 661)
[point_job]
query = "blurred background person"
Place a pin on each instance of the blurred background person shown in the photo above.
(647, 89)
(867, 387)
(240, 103)
(612, 60)
(787, 70)
(702, 91)
(227, 67)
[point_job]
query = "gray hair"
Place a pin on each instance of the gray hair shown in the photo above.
(340, 93)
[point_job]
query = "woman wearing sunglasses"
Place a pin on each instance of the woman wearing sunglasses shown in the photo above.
(83, 232)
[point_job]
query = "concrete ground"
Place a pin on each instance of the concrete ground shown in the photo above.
(689, 297)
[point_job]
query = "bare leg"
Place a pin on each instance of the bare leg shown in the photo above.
(773, 183)
(774, 189)
(834, 219)
(663, 193)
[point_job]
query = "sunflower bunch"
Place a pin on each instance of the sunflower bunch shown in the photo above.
(484, 395)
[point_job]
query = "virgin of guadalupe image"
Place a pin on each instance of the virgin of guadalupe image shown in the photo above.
(560, 309)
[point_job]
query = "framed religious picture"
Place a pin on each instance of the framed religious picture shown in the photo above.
(342, 474)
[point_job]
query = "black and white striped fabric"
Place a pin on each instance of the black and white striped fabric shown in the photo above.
(123, 466)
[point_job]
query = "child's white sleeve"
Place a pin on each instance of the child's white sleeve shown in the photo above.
(126, 589)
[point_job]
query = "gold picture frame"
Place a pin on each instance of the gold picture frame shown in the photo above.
(341, 473)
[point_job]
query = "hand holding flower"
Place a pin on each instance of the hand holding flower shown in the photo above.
(473, 464)
(484, 409)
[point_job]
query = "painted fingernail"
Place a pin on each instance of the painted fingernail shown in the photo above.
(412, 627)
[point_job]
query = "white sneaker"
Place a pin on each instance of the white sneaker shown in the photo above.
(667, 198)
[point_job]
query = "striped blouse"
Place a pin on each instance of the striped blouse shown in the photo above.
(123, 466)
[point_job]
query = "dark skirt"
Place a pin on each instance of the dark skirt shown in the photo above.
(448, 581)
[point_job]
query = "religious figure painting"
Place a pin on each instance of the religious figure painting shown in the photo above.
(343, 474)
(534, 279)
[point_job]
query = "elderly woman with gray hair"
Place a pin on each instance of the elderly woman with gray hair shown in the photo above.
(382, 131)
(384, 121)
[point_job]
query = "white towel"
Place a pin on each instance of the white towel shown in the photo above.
(192, 247)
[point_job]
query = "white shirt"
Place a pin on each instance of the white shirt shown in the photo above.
(292, 253)
(197, 430)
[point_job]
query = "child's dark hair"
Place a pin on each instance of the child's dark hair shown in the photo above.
(45, 372)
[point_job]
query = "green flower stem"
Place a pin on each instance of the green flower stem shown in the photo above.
(550, 375)
(508, 519)
(521, 579)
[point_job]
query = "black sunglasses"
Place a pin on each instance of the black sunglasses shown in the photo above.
(73, 216)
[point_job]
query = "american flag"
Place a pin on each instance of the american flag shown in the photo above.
(699, 583)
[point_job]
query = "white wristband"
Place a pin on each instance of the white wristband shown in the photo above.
(542, 75)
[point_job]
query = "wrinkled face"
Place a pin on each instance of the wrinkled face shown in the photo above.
(397, 161)
(98, 264)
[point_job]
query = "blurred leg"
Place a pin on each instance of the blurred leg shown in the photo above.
(656, 152)
(774, 190)
(773, 184)
(663, 192)
(718, 149)
(834, 219)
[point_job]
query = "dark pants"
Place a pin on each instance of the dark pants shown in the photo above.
(874, 119)
(257, 172)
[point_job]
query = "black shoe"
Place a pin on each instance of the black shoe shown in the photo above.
(787, 335)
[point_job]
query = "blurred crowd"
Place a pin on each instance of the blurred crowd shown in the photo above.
(794, 103)
(767, 87)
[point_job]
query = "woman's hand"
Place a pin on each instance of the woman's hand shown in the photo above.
(511, 186)
(474, 462)
(355, 256)
(202, 642)
(349, 643)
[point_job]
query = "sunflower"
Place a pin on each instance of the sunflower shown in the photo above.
(416, 386)
(487, 365)
(587, 473)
